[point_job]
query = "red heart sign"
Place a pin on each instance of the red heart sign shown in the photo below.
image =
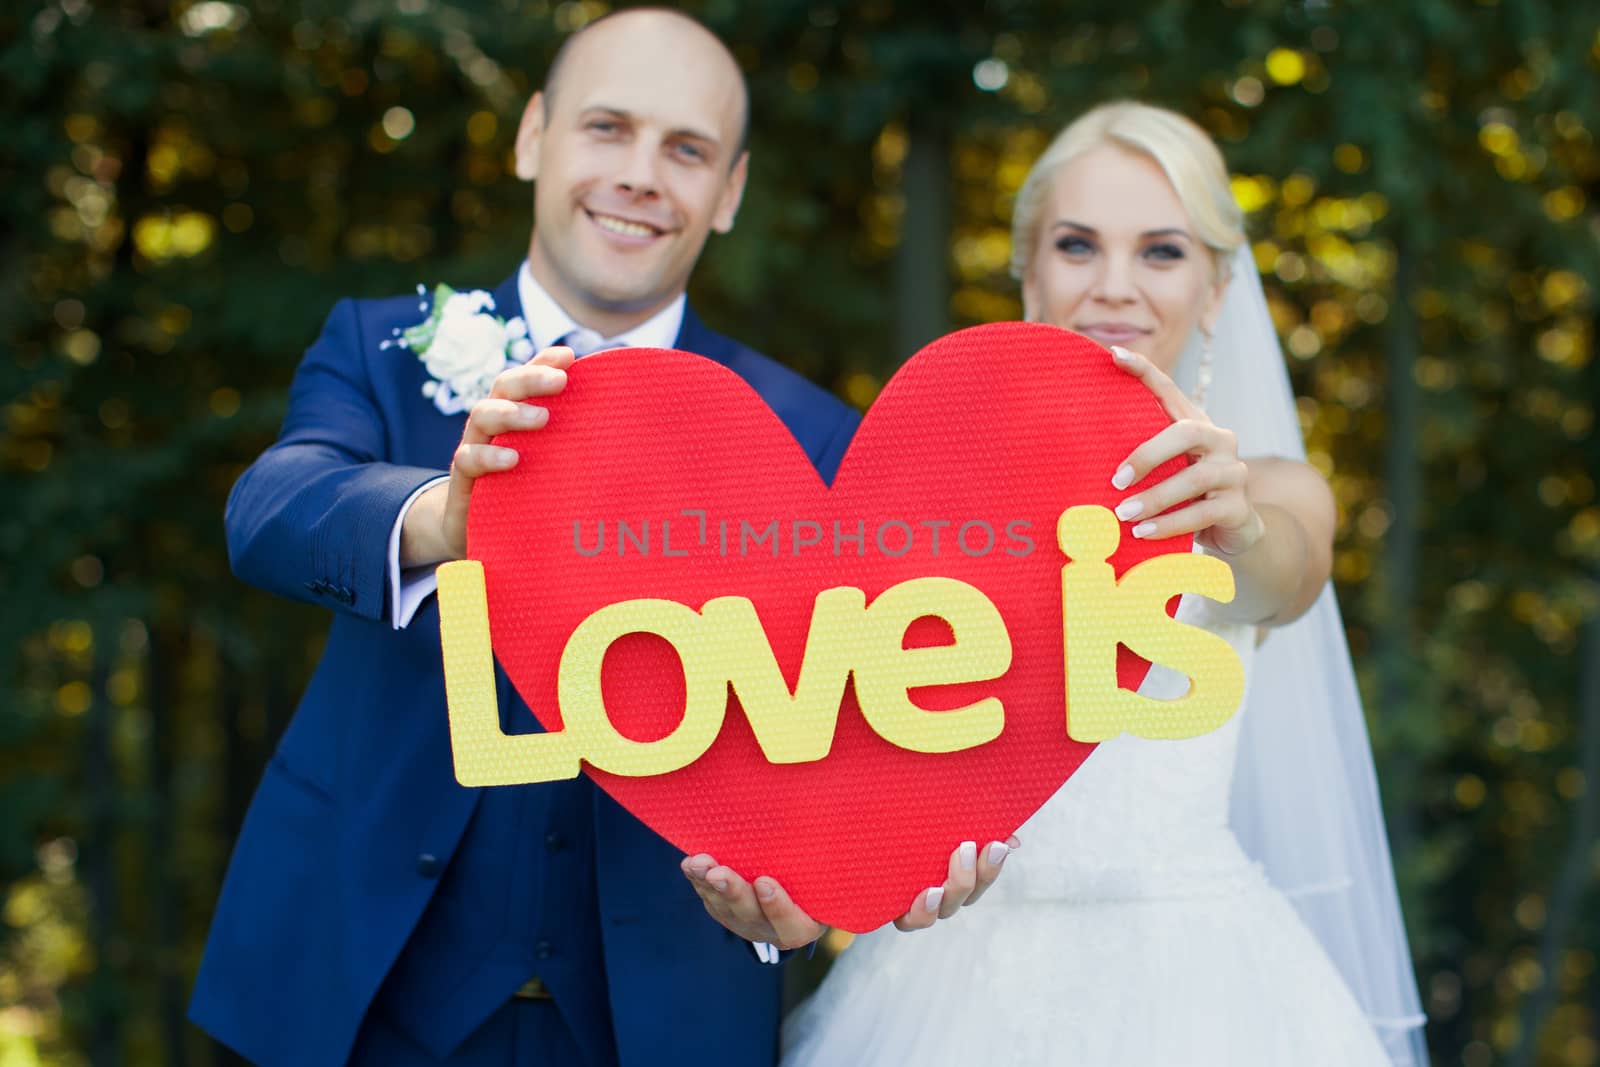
(660, 474)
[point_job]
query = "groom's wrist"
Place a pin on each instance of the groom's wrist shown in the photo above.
(422, 540)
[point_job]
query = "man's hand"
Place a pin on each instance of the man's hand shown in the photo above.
(435, 528)
(760, 912)
(764, 912)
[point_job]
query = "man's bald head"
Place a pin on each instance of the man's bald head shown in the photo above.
(681, 38)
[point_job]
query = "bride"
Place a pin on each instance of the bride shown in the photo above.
(1224, 900)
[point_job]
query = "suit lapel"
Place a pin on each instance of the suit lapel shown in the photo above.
(508, 297)
(694, 336)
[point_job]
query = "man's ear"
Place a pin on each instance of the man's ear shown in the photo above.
(732, 194)
(529, 133)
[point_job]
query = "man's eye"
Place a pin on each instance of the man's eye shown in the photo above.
(690, 151)
(603, 126)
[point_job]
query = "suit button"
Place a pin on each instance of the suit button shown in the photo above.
(428, 865)
(543, 950)
(554, 841)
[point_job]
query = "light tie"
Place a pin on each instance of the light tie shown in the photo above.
(583, 341)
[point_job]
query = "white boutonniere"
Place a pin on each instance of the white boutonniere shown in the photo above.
(463, 344)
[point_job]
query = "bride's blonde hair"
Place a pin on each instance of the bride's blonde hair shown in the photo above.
(1182, 149)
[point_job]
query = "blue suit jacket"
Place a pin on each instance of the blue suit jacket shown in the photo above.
(359, 808)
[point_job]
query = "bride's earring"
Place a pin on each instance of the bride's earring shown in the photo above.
(1202, 380)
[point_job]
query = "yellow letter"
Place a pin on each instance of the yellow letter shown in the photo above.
(797, 727)
(885, 669)
(583, 707)
(483, 754)
(1097, 611)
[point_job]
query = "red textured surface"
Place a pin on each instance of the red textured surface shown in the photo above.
(996, 423)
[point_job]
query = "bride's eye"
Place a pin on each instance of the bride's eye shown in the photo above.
(1165, 252)
(1074, 245)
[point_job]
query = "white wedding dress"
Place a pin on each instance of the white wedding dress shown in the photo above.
(1129, 929)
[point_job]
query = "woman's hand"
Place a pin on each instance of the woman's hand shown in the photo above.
(1207, 498)
(1273, 520)
(970, 875)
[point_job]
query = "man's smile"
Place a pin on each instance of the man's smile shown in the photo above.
(623, 227)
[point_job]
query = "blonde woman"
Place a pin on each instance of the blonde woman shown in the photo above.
(1225, 900)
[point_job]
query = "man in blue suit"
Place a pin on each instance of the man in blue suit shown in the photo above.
(376, 912)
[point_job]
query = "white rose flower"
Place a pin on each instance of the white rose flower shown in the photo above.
(467, 346)
(462, 345)
(460, 305)
(472, 388)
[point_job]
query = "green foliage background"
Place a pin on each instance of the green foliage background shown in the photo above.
(189, 186)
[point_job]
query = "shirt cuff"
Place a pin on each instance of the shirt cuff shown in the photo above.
(410, 587)
(767, 952)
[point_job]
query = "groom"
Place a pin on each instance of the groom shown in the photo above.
(376, 912)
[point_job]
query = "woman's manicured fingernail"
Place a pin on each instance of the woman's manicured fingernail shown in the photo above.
(528, 415)
(504, 457)
(1131, 508)
(1123, 478)
(968, 853)
(998, 853)
(1144, 529)
(1120, 354)
(934, 899)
